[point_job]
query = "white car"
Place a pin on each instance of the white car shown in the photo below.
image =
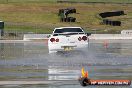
(67, 39)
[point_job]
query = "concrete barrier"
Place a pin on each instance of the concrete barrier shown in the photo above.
(92, 36)
(35, 36)
(110, 36)
(127, 32)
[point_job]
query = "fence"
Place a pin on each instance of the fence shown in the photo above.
(110, 36)
(15, 35)
(35, 36)
(12, 35)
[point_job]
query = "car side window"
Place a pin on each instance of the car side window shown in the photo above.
(58, 31)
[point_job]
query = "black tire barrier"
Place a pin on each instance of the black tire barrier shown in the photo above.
(71, 10)
(68, 11)
(112, 23)
(63, 13)
(69, 19)
(110, 14)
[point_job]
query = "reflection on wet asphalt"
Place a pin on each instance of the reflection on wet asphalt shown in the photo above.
(31, 61)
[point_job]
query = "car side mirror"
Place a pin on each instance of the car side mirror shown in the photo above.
(48, 36)
(88, 34)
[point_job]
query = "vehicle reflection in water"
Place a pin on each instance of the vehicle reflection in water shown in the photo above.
(31, 61)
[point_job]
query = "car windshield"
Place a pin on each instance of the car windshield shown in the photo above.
(68, 30)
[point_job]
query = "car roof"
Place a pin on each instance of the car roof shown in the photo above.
(66, 27)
